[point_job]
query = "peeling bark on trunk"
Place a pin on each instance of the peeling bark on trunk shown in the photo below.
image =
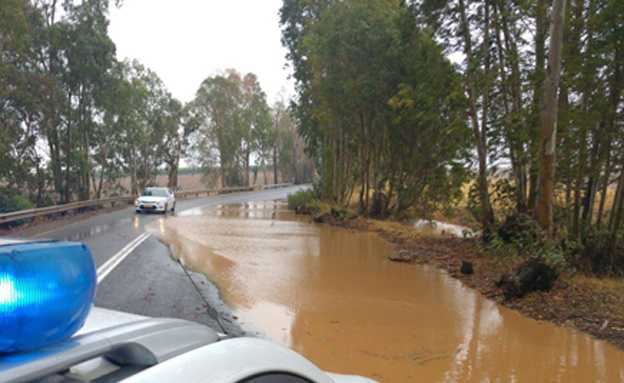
(545, 196)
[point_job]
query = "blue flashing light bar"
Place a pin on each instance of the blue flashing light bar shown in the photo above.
(46, 292)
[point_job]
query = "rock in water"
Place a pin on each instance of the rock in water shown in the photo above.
(466, 268)
(534, 275)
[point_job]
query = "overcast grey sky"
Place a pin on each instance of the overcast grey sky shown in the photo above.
(185, 41)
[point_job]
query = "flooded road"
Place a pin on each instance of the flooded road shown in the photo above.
(332, 295)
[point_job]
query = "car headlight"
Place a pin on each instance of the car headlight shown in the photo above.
(136, 202)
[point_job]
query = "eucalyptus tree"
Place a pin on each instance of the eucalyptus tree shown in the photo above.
(467, 26)
(366, 108)
(218, 102)
(283, 138)
(115, 98)
(145, 127)
(180, 123)
(266, 137)
(15, 137)
(255, 121)
(72, 118)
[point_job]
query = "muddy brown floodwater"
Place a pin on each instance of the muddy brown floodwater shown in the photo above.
(332, 295)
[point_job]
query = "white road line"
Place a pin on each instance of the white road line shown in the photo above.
(116, 259)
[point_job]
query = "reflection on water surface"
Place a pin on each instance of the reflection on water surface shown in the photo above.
(331, 295)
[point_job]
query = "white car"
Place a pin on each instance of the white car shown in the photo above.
(155, 199)
(45, 300)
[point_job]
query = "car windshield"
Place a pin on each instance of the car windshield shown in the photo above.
(154, 193)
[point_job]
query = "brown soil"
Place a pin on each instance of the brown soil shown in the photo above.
(588, 304)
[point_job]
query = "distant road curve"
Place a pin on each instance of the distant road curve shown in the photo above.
(46, 211)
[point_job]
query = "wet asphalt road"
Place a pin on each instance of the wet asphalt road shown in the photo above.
(148, 282)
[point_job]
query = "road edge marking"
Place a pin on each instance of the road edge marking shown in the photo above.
(108, 266)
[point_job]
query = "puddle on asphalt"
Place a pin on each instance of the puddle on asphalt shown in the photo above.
(331, 295)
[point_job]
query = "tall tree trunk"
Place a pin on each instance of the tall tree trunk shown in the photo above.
(223, 178)
(545, 195)
(247, 168)
(55, 159)
(510, 51)
(68, 150)
(145, 181)
(537, 102)
(133, 172)
(294, 162)
(478, 132)
(605, 187)
(617, 213)
(362, 162)
(175, 166)
(52, 119)
(275, 164)
(595, 160)
(591, 190)
(101, 180)
(85, 143)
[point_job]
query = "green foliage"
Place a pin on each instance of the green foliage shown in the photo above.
(235, 124)
(301, 198)
(379, 106)
(325, 213)
(224, 123)
(342, 213)
(13, 202)
(473, 204)
(504, 196)
(64, 93)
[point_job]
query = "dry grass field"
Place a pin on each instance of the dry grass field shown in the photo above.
(194, 181)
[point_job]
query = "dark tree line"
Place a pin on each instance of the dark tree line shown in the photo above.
(237, 128)
(380, 107)
(74, 120)
(532, 110)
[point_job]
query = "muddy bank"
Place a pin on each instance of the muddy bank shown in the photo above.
(586, 304)
(333, 296)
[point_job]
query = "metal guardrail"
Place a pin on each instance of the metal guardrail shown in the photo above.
(275, 186)
(32, 213)
(207, 192)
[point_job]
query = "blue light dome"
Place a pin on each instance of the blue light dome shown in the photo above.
(46, 292)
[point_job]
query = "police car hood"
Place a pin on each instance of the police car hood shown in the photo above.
(100, 318)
